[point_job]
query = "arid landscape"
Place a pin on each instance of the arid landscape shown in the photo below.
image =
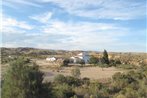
(51, 69)
(73, 49)
(70, 76)
(94, 73)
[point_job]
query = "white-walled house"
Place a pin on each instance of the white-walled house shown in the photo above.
(51, 59)
(74, 59)
(83, 56)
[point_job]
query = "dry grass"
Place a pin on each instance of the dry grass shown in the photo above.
(94, 73)
(53, 69)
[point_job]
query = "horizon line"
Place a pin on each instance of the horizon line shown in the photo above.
(79, 50)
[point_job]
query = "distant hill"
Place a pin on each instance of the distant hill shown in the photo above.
(131, 57)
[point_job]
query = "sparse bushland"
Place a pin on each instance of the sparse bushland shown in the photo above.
(24, 80)
(100, 61)
(123, 85)
(126, 66)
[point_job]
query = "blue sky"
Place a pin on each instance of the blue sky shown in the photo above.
(114, 25)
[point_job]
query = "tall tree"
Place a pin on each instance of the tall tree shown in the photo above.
(24, 80)
(105, 57)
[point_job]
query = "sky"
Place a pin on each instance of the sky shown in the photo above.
(114, 25)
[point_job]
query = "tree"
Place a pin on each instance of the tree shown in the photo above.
(93, 60)
(114, 62)
(72, 81)
(66, 62)
(105, 57)
(76, 72)
(82, 62)
(24, 80)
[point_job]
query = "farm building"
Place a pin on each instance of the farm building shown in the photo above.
(82, 56)
(51, 59)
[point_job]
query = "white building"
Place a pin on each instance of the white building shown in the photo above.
(83, 56)
(51, 59)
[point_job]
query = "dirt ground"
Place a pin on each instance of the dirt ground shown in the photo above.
(94, 73)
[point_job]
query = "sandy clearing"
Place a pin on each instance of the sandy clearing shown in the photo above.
(93, 73)
(89, 72)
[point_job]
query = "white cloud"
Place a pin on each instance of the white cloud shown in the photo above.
(78, 28)
(43, 18)
(11, 30)
(74, 36)
(14, 31)
(19, 3)
(64, 35)
(102, 9)
(13, 23)
(84, 35)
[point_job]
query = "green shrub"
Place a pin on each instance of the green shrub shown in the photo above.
(60, 78)
(86, 81)
(66, 62)
(82, 62)
(63, 91)
(24, 80)
(126, 66)
(72, 81)
(93, 60)
(76, 72)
